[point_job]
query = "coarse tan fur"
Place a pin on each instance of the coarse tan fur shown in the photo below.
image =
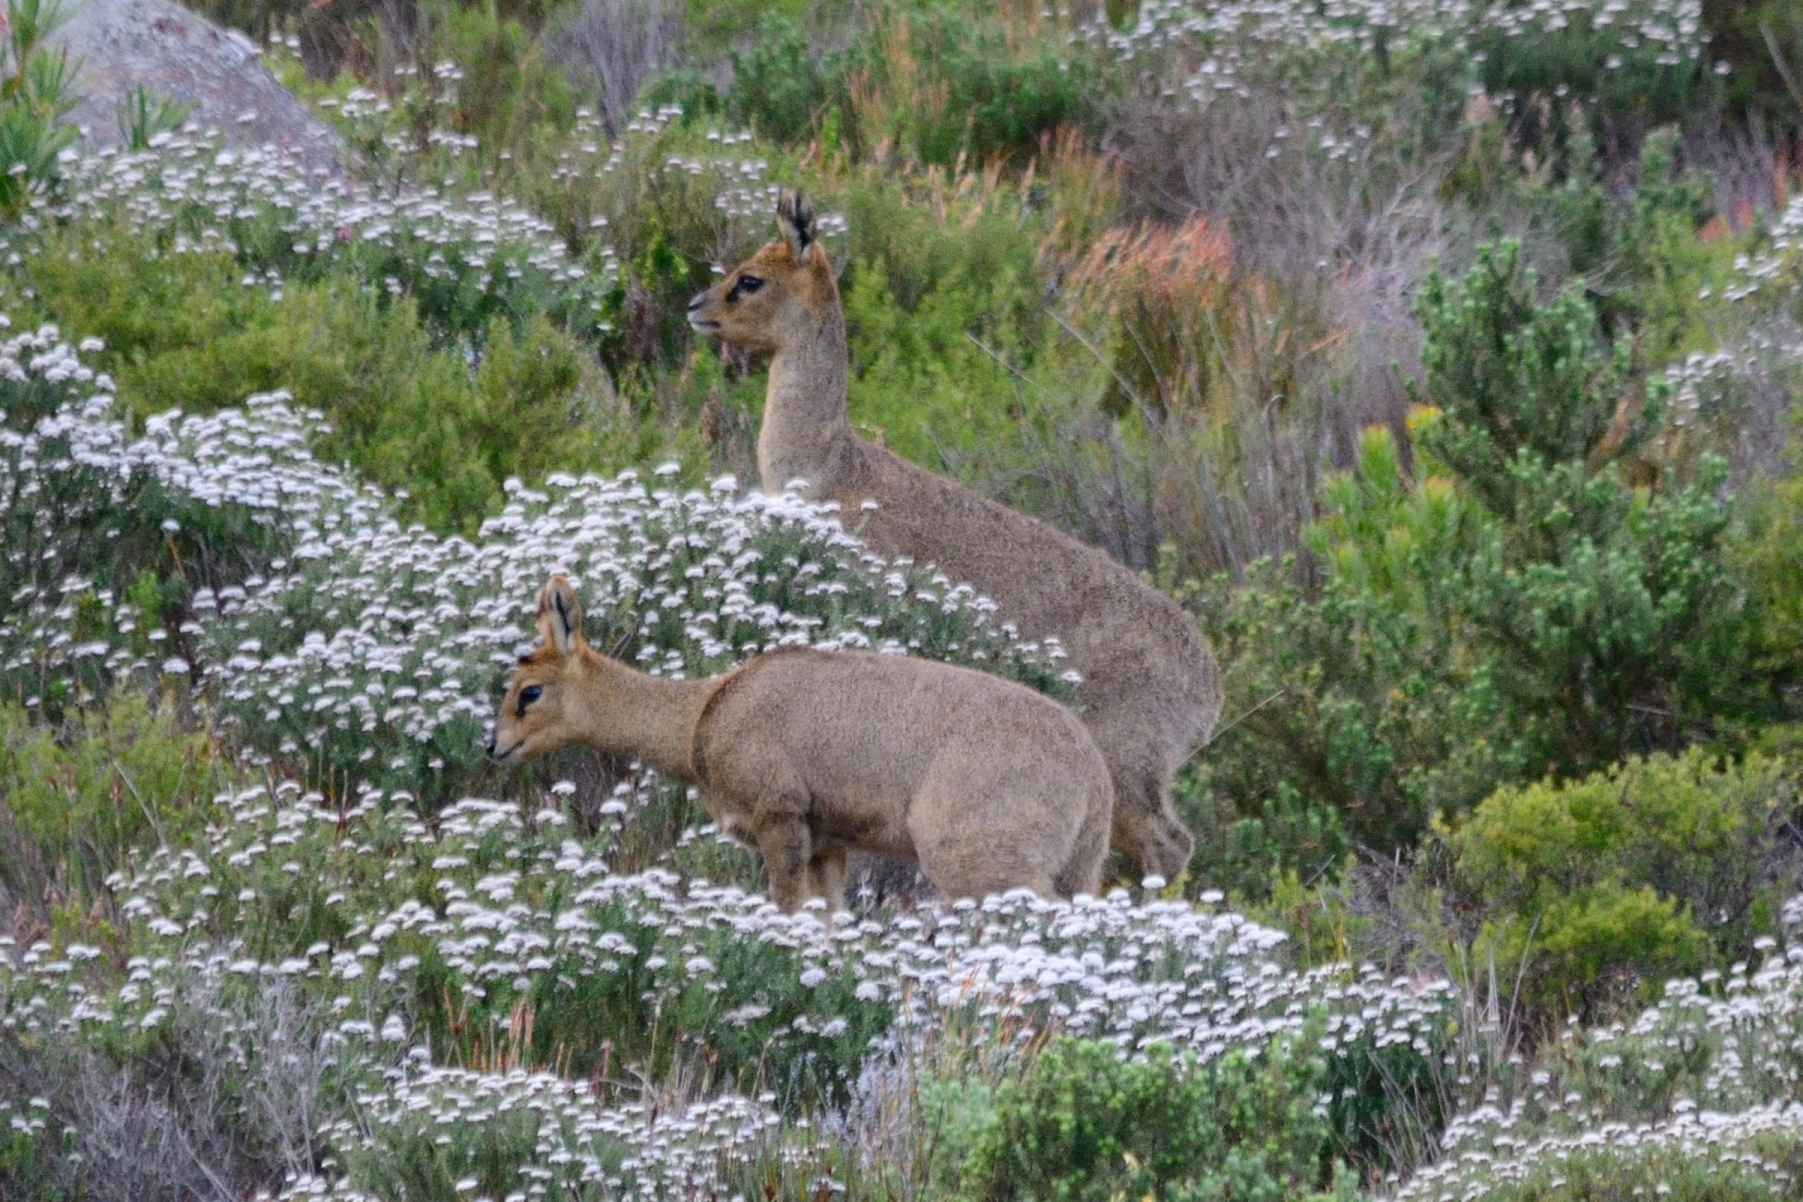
(806, 755)
(1151, 688)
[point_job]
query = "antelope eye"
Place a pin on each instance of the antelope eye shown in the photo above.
(748, 283)
(529, 694)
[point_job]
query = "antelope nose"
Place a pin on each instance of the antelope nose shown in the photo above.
(696, 301)
(490, 746)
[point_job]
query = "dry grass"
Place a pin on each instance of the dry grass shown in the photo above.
(224, 1105)
(611, 47)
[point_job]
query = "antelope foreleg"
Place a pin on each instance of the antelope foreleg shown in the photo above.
(787, 849)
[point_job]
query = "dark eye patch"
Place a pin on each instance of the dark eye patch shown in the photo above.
(745, 285)
(528, 695)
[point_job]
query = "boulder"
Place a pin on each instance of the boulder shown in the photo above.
(115, 45)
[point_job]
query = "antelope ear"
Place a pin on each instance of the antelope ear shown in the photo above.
(795, 217)
(560, 615)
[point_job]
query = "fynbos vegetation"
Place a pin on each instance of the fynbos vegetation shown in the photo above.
(1436, 363)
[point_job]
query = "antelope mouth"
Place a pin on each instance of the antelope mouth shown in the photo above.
(496, 754)
(703, 325)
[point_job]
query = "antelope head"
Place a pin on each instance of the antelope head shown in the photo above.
(776, 294)
(547, 702)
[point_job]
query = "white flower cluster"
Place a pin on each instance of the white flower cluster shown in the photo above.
(1722, 1056)
(1775, 273)
(82, 493)
(382, 649)
(500, 915)
(1727, 1146)
(479, 252)
(1734, 399)
(1247, 39)
(638, 1150)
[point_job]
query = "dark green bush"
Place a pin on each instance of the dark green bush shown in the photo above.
(1083, 1124)
(1518, 608)
(935, 82)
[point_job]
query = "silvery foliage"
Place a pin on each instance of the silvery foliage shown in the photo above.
(1737, 398)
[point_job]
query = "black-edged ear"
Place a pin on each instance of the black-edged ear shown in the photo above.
(560, 615)
(795, 217)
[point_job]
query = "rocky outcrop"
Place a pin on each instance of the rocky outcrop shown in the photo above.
(119, 44)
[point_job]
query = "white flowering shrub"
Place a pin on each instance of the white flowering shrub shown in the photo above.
(379, 651)
(445, 1132)
(466, 261)
(331, 635)
(1576, 41)
(498, 937)
(104, 532)
(1697, 1097)
(1736, 398)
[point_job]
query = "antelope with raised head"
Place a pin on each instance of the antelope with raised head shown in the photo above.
(806, 755)
(1151, 687)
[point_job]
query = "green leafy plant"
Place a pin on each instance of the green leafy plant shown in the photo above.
(143, 115)
(1083, 1124)
(1651, 869)
(74, 810)
(1532, 597)
(36, 92)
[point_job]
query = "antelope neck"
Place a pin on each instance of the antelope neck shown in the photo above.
(645, 717)
(804, 403)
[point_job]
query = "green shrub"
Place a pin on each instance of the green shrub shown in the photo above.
(1767, 551)
(1517, 608)
(36, 93)
(933, 82)
(1082, 1123)
(1646, 871)
(75, 805)
(1643, 259)
(183, 331)
(920, 293)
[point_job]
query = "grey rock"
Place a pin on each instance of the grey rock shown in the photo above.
(118, 44)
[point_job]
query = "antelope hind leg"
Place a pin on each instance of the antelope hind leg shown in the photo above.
(826, 877)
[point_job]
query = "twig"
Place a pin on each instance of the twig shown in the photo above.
(1790, 81)
(139, 798)
(1099, 357)
(1009, 367)
(1219, 731)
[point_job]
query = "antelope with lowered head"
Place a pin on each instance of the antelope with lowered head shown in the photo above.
(806, 755)
(1151, 687)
